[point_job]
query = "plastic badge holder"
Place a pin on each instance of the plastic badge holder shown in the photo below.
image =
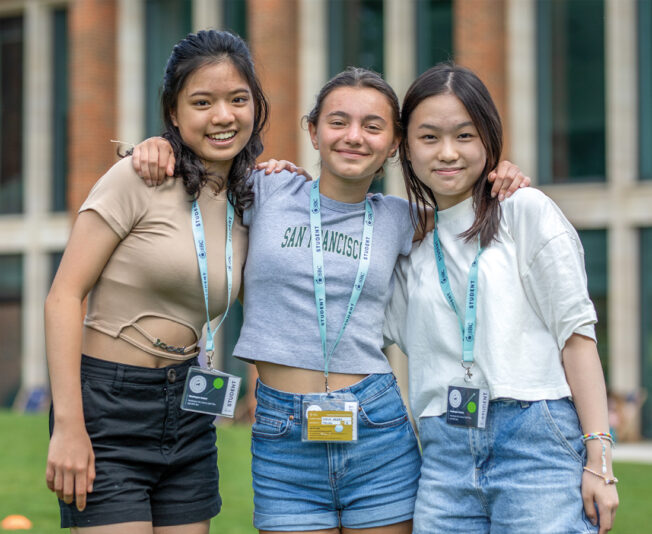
(211, 392)
(330, 417)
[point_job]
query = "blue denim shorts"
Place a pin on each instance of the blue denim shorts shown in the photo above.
(310, 486)
(522, 473)
(154, 462)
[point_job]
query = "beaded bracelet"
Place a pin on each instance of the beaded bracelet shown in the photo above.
(606, 479)
(602, 436)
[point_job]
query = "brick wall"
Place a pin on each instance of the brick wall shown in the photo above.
(480, 44)
(92, 115)
(274, 40)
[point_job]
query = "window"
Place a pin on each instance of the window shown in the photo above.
(645, 87)
(59, 61)
(646, 327)
(434, 32)
(168, 21)
(595, 257)
(11, 117)
(355, 35)
(235, 17)
(11, 284)
(571, 91)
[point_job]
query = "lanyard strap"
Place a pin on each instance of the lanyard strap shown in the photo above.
(200, 248)
(318, 269)
(467, 327)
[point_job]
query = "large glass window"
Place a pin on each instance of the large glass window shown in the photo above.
(235, 16)
(571, 91)
(168, 21)
(11, 116)
(356, 35)
(645, 87)
(595, 257)
(434, 32)
(11, 284)
(59, 61)
(646, 327)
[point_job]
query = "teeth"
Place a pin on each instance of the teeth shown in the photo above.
(222, 136)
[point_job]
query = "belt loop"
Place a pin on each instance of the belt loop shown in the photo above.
(525, 404)
(117, 379)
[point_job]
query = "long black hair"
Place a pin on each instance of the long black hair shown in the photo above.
(191, 53)
(449, 78)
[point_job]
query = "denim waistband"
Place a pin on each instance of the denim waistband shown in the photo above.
(365, 390)
(134, 374)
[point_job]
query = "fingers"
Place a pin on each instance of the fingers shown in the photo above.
(506, 179)
(607, 506)
(153, 160)
(589, 508)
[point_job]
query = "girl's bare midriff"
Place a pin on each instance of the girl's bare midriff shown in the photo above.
(106, 347)
(302, 381)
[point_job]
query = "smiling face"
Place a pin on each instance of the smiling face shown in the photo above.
(215, 114)
(445, 149)
(354, 135)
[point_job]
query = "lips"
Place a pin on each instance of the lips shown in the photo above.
(222, 136)
(448, 171)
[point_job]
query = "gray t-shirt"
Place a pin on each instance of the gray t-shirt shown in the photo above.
(280, 316)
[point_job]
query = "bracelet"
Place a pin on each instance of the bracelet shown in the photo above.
(602, 436)
(606, 479)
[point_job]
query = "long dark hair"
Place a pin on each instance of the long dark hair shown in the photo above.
(359, 77)
(191, 53)
(448, 78)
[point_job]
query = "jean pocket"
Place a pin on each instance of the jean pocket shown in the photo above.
(270, 424)
(564, 425)
(385, 410)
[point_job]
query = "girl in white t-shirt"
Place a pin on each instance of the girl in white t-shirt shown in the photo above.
(494, 363)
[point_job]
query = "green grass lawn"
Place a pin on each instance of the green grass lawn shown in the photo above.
(23, 449)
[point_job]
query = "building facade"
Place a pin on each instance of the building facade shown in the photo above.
(572, 80)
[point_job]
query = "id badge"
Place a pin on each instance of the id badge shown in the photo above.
(210, 391)
(467, 405)
(330, 417)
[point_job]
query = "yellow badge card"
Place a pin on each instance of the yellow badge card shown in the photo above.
(330, 425)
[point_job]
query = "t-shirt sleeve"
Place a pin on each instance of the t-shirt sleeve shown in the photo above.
(400, 216)
(264, 186)
(396, 310)
(551, 263)
(120, 197)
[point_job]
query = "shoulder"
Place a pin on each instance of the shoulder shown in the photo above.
(395, 206)
(259, 178)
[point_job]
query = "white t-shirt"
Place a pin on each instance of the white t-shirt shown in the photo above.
(531, 298)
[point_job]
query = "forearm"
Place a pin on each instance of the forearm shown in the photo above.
(586, 381)
(63, 331)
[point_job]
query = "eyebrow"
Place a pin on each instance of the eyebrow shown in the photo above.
(366, 118)
(428, 126)
(202, 92)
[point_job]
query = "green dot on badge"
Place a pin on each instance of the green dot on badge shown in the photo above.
(471, 407)
(218, 383)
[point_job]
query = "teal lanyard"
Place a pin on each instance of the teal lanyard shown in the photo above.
(467, 326)
(200, 248)
(318, 270)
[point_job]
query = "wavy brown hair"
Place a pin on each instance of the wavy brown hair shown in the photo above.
(449, 78)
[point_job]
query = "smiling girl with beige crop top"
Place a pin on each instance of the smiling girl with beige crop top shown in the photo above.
(122, 453)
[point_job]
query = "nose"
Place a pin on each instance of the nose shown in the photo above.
(447, 150)
(354, 134)
(222, 114)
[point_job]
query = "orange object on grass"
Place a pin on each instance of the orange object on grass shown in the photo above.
(16, 522)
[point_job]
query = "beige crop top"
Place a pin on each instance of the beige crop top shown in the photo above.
(153, 271)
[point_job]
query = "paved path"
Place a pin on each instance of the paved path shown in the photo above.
(634, 452)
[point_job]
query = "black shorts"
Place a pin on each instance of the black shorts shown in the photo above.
(154, 461)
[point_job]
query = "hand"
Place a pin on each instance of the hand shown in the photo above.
(153, 160)
(70, 471)
(596, 494)
(278, 165)
(507, 178)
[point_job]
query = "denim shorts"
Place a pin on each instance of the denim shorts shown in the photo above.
(154, 462)
(310, 486)
(522, 473)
